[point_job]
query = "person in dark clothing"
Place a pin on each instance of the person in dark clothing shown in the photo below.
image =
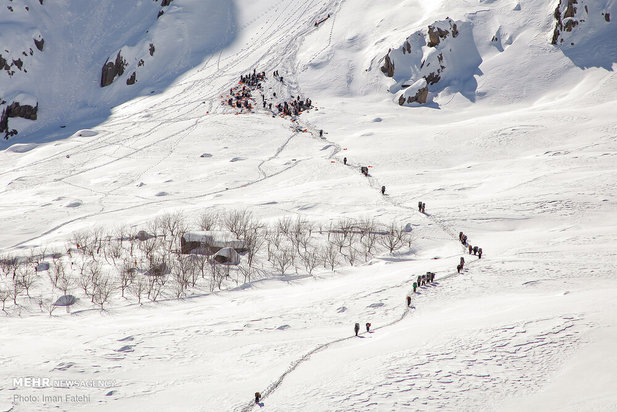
(462, 261)
(460, 236)
(356, 328)
(470, 249)
(368, 327)
(320, 132)
(345, 161)
(419, 279)
(383, 190)
(464, 239)
(257, 397)
(459, 268)
(409, 298)
(475, 250)
(420, 210)
(480, 253)
(423, 207)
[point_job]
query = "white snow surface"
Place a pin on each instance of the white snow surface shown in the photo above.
(523, 162)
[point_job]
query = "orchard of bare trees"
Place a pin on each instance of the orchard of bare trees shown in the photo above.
(131, 266)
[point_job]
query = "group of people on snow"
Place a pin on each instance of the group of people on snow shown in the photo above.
(242, 96)
(356, 328)
(477, 251)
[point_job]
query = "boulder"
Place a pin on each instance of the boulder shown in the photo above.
(24, 111)
(132, 79)
(111, 70)
(388, 66)
(39, 44)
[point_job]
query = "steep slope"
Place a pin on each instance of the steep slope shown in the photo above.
(54, 55)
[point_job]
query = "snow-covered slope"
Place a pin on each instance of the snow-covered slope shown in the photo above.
(516, 148)
(54, 53)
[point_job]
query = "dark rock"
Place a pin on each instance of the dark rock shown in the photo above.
(111, 70)
(25, 111)
(570, 9)
(39, 44)
(161, 12)
(140, 63)
(420, 97)
(436, 33)
(18, 63)
(570, 24)
(607, 17)
(432, 78)
(131, 80)
(166, 3)
(388, 66)
(16, 110)
(108, 74)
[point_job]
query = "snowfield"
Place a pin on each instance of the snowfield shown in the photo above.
(517, 150)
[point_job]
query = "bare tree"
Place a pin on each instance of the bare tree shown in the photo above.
(339, 239)
(208, 220)
(9, 265)
(48, 305)
(236, 221)
(368, 242)
(103, 290)
(352, 255)
(127, 276)
(183, 266)
(113, 251)
(138, 288)
(393, 239)
(5, 294)
(16, 289)
(58, 270)
(253, 241)
(310, 259)
(27, 278)
(283, 260)
(65, 283)
(329, 255)
(284, 225)
(173, 226)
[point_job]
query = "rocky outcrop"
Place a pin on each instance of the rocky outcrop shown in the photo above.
(420, 96)
(568, 14)
(429, 60)
(112, 69)
(131, 80)
(24, 111)
(39, 44)
(437, 33)
(388, 66)
(16, 109)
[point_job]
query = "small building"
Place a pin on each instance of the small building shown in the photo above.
(209, 242)
(227, 256)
